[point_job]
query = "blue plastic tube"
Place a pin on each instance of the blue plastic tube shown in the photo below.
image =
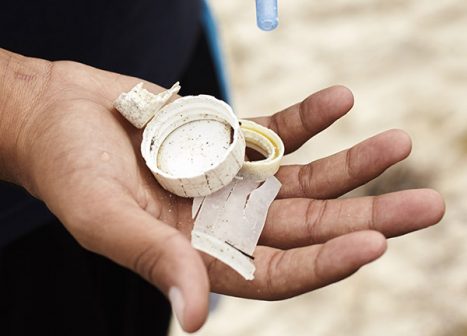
(267, 14)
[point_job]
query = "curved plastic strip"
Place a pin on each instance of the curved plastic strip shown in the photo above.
(266, 142)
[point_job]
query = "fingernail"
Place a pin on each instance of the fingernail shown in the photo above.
(177, 302)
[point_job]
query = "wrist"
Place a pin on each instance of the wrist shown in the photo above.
(23, 81)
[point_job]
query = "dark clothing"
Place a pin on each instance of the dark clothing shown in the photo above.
(20, 213)
(49, 284)
(151, 39)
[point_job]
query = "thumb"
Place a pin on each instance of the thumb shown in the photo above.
(159, 253)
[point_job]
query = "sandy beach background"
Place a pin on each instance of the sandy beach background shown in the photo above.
(406, 63)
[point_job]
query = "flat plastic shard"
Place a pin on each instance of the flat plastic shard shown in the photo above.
(229, 222)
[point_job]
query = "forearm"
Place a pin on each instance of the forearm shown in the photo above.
(22, 82)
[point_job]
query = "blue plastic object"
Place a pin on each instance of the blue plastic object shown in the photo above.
(267, 14)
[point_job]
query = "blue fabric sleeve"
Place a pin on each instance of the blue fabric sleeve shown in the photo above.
(210, 28)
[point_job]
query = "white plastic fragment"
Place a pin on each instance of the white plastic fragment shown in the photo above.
(194, 146)
(256, 212)
(230, 222)
(232, 227)
(139, 105)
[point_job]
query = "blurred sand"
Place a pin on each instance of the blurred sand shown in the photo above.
(406, 62)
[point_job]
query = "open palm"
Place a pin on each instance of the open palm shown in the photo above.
(84, 162)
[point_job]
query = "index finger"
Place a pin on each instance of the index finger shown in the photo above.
(298, 123)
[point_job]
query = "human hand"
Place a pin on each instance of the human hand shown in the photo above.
(83, 160)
